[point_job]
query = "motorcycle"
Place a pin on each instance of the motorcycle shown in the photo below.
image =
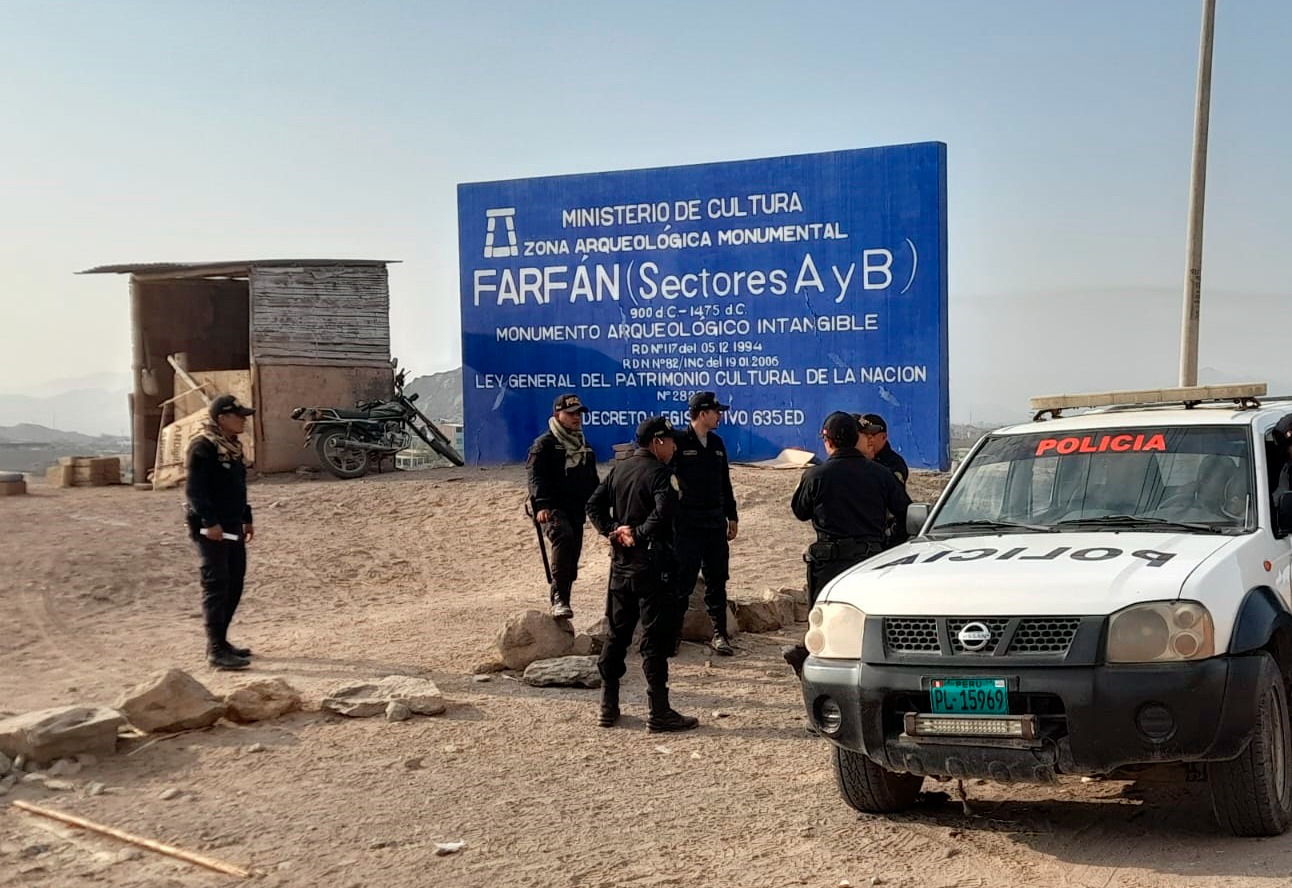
(350, 442)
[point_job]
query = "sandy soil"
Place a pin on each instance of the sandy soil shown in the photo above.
(414, 573)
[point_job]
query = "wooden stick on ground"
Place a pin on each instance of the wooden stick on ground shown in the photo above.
(169, 850)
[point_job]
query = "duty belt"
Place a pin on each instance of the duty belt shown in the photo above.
(842, 549)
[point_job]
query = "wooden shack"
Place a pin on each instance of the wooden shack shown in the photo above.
(289, 332)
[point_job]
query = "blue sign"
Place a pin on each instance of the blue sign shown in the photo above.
(791, 287)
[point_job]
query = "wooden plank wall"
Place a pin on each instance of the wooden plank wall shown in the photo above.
(338, 315)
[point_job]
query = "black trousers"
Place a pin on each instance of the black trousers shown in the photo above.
(223, 569)
(704, 550)
(650, 600)
(565, 534)
(821, 572)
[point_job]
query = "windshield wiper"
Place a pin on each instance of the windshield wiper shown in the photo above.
(984, 524)
(1142, 521)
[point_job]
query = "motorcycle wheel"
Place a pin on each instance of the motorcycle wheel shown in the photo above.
(338, 460)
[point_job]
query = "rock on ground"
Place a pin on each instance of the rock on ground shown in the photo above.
(565, 672)
(696, 625)
(765, 613)
(366, 699)
(170, 701)
(49, 734)
(260, 700)
(533, 635)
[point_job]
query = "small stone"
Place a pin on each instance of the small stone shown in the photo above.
(95, 789)
(663, 750)
(481, 679)
(950, 852)
(876, 880)
(695, 755)
(844, 883)
(34, 777)
(413, 764)
(19, 762)
(718, 713)
(8, 783)
(85, 760)
(127, 854)
(398, 712)
(60, 785)
(451, 748)
(6, 764)
(33, 850)
(443, 848)
(381, 843)
(256, 747)
(64, 768)
(169, 794)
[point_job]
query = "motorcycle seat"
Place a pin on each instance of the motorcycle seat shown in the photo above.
(348, 413)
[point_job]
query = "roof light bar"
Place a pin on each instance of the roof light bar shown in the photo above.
(1244, 393)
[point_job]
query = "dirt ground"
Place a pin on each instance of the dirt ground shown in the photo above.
(414, 573)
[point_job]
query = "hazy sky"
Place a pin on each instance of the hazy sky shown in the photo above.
(147, 131)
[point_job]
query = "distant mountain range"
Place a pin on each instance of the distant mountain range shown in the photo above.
(33, 448)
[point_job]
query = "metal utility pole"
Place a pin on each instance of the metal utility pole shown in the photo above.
(1197, 194)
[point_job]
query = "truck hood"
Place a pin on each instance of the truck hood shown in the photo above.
(1047, 574)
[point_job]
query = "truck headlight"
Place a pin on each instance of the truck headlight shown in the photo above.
(835, 630)
(1160, 631)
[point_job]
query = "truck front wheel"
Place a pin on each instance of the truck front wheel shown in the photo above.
(867, 787)
(1252, 795)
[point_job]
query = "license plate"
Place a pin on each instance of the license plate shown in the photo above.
(986, 696)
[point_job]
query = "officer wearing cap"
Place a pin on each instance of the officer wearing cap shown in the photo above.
(874, 437)
(219, 521)
(873, 443)
(634, 508)
(848, 499)
(706, 517)
(562, 471)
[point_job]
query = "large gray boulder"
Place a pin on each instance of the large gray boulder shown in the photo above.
(369, 698)
(261, 700)
(564, 672)
(533, 635)
(170, 701)
(64, 732)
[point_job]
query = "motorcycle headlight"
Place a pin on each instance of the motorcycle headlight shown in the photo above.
(1161, 631)
(835, 631)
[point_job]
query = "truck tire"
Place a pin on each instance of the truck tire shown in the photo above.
(867, 787)
(1252, 795)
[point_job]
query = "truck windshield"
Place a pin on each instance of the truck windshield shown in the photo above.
(1174, 479)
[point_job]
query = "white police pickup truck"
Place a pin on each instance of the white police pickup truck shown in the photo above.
(1105, 593)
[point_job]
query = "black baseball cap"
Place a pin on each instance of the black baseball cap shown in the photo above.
(841, 428)
(568, 403)
(655, 427)
(871, 423)
(702, 401)
(228, 404)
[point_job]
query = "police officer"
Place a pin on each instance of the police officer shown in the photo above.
(562, 472)
(848, 499)
(219, 521)
(706, 517)
(874, 437)
(873, 443)
(634, 507)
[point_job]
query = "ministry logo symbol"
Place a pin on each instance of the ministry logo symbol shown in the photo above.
(492, 248)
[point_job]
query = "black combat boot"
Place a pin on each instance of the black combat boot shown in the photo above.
(609, 714)
(223, 657)
(561, 609)
(239, 652)
(796, 655)
(663, 718)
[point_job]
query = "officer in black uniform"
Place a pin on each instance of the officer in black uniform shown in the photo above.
(706, 517)
(219, 521)
(874, 434)
(562, 472)
(848, 499)
(873, 443)
(634, 507)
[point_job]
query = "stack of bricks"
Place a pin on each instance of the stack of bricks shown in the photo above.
(84, 471)
(12, 484)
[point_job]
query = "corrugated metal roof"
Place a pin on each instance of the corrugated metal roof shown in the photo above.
(224, 269)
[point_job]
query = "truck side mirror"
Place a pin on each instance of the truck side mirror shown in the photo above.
(1283, 514)
(918, 513)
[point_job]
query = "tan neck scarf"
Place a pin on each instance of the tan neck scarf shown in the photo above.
(576, 449)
